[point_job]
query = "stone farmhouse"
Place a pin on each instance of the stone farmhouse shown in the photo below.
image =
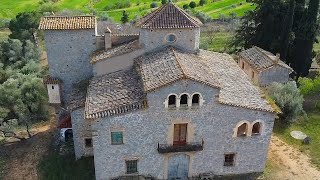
(153, 104)
(263, 67)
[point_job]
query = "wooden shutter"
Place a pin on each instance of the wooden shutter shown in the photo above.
(180, 134)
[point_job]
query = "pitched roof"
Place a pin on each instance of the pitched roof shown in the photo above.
(162, 68)
(261, 59)
(67, 23)
(169, 16)
(114, 93)
(78, 95)
(167, 66)
(115, 51)
(51, 80)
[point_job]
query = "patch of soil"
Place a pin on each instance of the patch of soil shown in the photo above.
(291, 163)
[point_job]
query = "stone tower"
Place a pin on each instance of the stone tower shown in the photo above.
(69, 43)
(169, 25)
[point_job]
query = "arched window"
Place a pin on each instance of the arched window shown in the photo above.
(196, 99)
(256, 128)
(242, 130)
(184, 100)
(172, 101)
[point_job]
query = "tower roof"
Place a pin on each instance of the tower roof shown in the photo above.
(67, 23)
(169, 16)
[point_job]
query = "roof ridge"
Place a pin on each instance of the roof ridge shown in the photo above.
(262, 51)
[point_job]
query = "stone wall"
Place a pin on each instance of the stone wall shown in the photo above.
(54, 93)
(68, 56)
(274, 74)
(213, 123)
(253, 74)
(188, 39)
(81, 129)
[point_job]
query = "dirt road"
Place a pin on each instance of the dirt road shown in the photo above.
(290, 163)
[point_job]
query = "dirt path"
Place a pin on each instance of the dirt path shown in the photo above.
(24, 156)
(290, 163)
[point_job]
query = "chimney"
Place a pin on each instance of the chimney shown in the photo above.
(107, 39)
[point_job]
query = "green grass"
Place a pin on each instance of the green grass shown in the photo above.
(4, 33)
(9, 8)
(220, 41)
(64, 167)
(311, 127)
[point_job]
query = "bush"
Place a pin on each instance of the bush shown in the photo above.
(4, 23)
(309, 86)
(204, 45)
(153, 5)
(186, 6)
(202, 2)
(288, 98)
(203, 17)
(164, 1)
(48, 7)
(192, 4)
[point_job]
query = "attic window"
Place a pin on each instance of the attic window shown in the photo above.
(171, 38)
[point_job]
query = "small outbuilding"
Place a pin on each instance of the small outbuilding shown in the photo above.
(263, 67)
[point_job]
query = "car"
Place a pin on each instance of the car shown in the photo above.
(66, 134)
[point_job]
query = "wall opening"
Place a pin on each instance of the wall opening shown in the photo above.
(195, 99)
(229, 159)
(242, 130)
(184, 100)
(172, 101)
(256, 128)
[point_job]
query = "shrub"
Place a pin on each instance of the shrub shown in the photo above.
(203, 17)
(164, 1)
(202, 2)
(4, 23)
(204, 45)
(192, 4)
(125, 17)
(288, 98)
(309, 86)
(186, 6)
(153, 5)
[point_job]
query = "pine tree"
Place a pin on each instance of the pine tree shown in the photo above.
(125, 17)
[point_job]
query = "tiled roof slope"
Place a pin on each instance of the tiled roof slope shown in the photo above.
(114, 93)
(78, 95)
(159, 69)
(260, 59)
(51, 80)
(67, 23)
(115, 51)
(169, 16)
(164, 67)
(236, 87)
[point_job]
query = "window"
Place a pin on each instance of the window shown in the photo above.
(195, 99)
(229, 159)
(180, 134)
(256, 128)
(52, 87)
(116, 138)
(242, 65)
(171, 38)
(242, 130)
(88, 142)
(172, 101)
(132, 166)
(184, 100)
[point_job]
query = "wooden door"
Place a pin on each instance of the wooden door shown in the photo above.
(180, 134)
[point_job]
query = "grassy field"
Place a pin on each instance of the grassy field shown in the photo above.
(219, 42)
(9, 8)
(311, 127)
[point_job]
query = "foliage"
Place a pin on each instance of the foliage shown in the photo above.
(185, 6)
(48, 7)
(24, 25)
(203, 2)
(4, 23)
(125, 17)
(153, 5)
(164, 1)
(120, 4)
(192, 4)
(309, 86)
(288, 99)
(203, 17)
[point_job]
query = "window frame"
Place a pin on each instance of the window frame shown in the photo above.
(169, 40)
(229, 159)
(116, 143)
(135, 169)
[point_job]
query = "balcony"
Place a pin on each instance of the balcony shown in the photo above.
(169, 148)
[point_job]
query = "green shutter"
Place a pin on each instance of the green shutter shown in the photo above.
(116, 138)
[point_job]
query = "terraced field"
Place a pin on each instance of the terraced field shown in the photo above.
(9, 8)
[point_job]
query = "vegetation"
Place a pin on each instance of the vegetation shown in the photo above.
(309, 86)
(4, 34)
(215, 40)
(125, 17)
(288, 98)
(311, 127)
(192, 4)
(279, 26)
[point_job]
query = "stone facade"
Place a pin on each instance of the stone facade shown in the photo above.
(188, 39)
(81, 129)
(54, 93)
(274, 74)
(68, 56)
(213, 123)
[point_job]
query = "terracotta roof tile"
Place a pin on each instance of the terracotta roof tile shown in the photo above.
(169, 16)
(261, 59)
(115, 93)
(115, 51)
(51, 80)
(67, 23)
